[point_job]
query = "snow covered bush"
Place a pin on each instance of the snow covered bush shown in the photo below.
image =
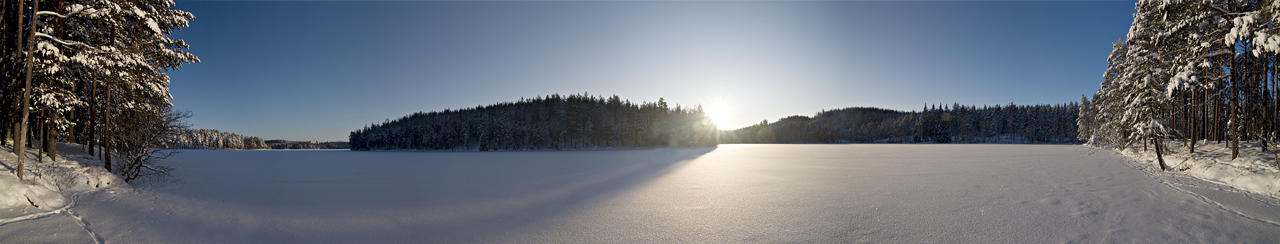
(140, 138)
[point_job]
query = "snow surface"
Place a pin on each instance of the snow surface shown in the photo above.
(1254, 170)
(875, 193)
(49, 191)
(50, 182)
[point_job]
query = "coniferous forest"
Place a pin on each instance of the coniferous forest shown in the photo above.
(583, 121)
(91, 72)
(1189, 71)
(940, 124)
(551, 122)
(287, 144)
(213, 139)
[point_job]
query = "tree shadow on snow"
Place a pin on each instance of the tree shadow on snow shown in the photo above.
(401, 196)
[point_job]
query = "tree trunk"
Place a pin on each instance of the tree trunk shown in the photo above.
(93, 115)
(60, 23)
(51, 141)
(26, 90)
(15, 134)
(1259, 103)
(1235, 116)
(1204, 115)
(1185, 112)
(1155, 141)
(1191, 123)
(31, 137)
(39, 133)
(1260, 126)
(106, 137)
(1270, 124)
(1215, 120)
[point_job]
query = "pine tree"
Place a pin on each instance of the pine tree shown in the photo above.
(74, 45)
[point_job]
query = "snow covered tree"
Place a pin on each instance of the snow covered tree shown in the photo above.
(1191, 70)
(112, 52)
(1145, 75)
(213, 139)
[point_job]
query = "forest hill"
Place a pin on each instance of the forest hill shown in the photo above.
(582, 121)
(552, 122)
(957, 124)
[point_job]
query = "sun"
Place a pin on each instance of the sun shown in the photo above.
(717, 112)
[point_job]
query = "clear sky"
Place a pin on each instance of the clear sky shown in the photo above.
(316, 70)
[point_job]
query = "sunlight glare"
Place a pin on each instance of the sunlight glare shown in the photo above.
(717, 112)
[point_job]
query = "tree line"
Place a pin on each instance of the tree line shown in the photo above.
(213, 139)
(286, 144)
(1190, 71)
(91, 72)
(939, 124)
(550, 122)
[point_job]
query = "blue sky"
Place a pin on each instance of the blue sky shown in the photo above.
(316, 70)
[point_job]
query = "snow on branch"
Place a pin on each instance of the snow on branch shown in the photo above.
(51, 13)
(75, 10)
(1216, 53)
(65, 42)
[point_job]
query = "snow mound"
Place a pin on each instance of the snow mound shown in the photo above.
(1253, 170)
(48, 184)
(21, 193)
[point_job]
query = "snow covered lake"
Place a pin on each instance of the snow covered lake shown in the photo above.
(730, 194)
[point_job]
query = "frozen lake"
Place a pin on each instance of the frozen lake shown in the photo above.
(733, 193)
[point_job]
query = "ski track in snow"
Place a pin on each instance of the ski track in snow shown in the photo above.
(36, 216)
(1179, 187)
(33, 216)
(85, 224)
(66, 210)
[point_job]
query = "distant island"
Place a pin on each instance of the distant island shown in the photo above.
(286, 144)
(219, 140)
(212, 139)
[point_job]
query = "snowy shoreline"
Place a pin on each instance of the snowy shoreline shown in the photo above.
(49, 187)
(1253, 171)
